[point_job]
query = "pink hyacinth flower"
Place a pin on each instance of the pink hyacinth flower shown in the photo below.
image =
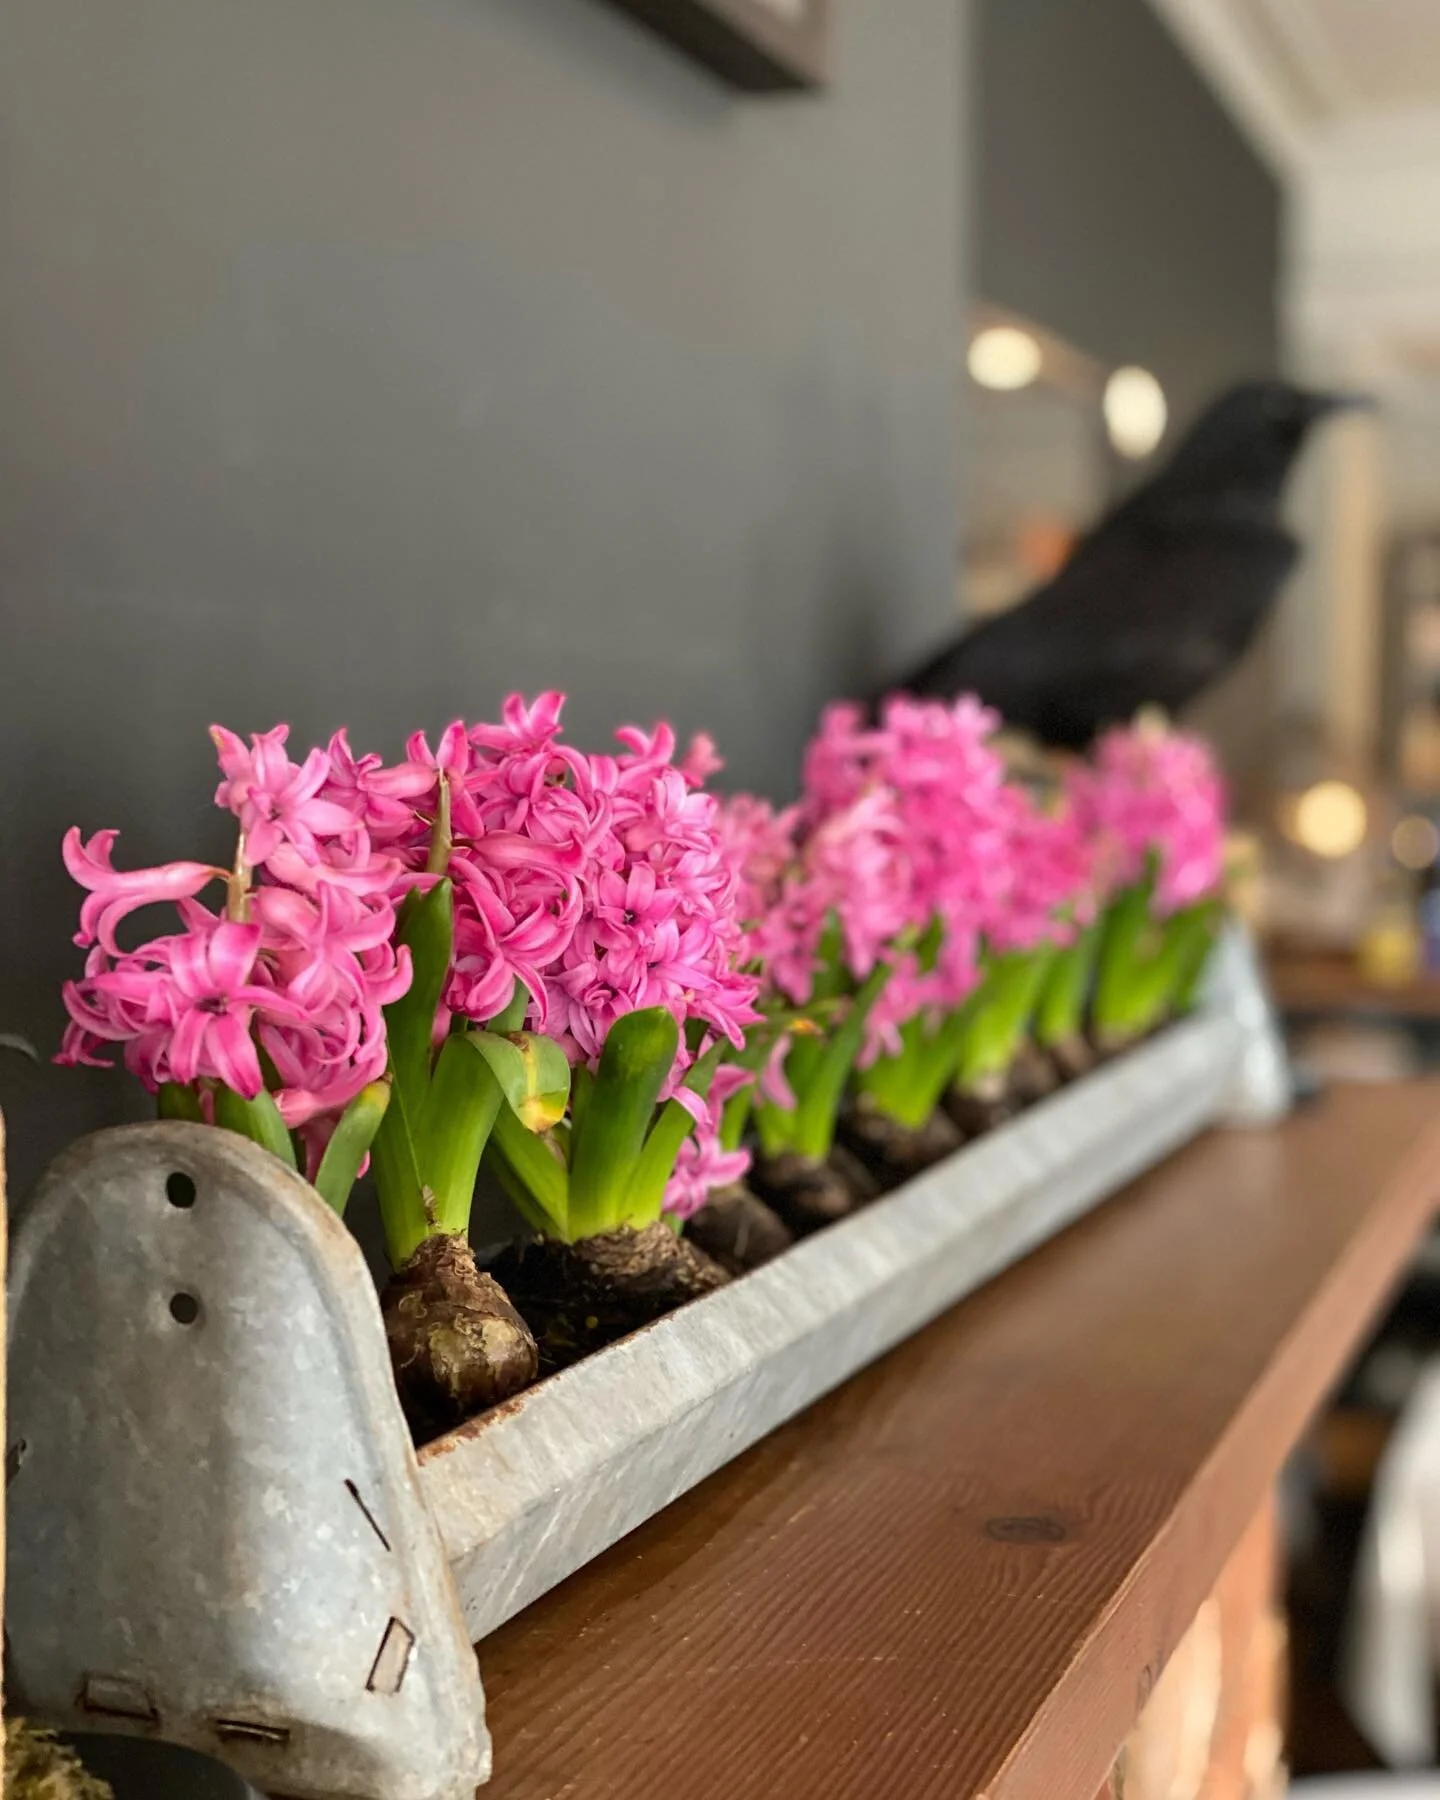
(1149, 791)
(114, 893)
(276, 801)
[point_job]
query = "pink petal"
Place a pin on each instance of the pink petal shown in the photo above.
(233, 1054)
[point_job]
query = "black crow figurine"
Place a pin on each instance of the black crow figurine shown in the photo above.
(1164, 595)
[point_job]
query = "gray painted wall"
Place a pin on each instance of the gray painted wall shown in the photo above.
(360, 361)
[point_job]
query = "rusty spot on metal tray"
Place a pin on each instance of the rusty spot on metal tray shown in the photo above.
(462, 1434)
(472, 1428)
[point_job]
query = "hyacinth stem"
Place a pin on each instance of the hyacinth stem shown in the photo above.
(1005, 1006)
(1149, 968)
(608, 1139)
(818, 1069)
(760, 1043)
(237, 885)
(1193, 954)
(350, 1144)
(735, 1118)
(442, 837)
(1065, 991)
(426, 929)
(611, 1167)
(176, 1100)
(258, 1119)
(444, 1102)
(908, 1086)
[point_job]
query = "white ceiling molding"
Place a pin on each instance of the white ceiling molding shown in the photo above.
(1232, 43)
(1342, 97)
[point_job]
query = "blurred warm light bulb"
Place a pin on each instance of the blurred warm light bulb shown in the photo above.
(1415, 842)
(1004, 357)
(1135, 411)
(1330, 819)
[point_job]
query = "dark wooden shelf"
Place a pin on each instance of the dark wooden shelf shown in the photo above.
(960, 1575)
(1320, 986)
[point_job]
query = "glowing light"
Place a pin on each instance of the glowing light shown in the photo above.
(1330, 819)
(1004, 357)
(1415, 842)
(1135, 411)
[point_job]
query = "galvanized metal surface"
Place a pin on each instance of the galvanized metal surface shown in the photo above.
(529, 1493)
(1261, 1091)
(217, 1533)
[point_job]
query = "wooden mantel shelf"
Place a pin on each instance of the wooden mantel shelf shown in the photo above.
(960, 1575)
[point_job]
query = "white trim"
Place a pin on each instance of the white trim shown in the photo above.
(1250, 83)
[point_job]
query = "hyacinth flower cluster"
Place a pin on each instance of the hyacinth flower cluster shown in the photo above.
(584, 897)
(952, 891)
(823, 916)
(641, 985)
(263, 1010)
(1152, 803)
(374, 913)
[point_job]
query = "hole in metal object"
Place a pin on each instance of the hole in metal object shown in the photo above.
(180, 1190)
(15, 1455)
(184, 1309)
(370, 1518)
(115, 1697)
(250, 1731)
(392, 1659)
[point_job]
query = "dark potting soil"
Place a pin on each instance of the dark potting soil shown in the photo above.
(1033, 1075)
(894, 1152)
(978, 1109)
(457, 1343)
(810, 1192)
(580, 1297)
(738, 1230)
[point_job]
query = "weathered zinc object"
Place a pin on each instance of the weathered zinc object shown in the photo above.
(217, 1530)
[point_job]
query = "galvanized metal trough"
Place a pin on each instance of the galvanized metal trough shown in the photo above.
(220, 1535)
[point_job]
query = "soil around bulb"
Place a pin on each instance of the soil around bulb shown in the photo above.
(894, 1152)
(811, 1192)
(738, 1230)
(577, 1298)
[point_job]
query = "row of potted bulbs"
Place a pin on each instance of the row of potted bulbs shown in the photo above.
(678, 1029)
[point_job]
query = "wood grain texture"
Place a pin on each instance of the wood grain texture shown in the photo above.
(961, 1574)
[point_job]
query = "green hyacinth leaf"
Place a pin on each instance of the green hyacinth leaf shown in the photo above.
(177, 1100)
(533, 1074)
(531, 1171)
(605, 1150)
(258, 1119)
(350, 1144)
(427, 930)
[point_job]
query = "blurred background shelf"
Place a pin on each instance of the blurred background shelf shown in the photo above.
(1321, 985)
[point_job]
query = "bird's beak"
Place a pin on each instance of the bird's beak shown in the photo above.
(1321, 405)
